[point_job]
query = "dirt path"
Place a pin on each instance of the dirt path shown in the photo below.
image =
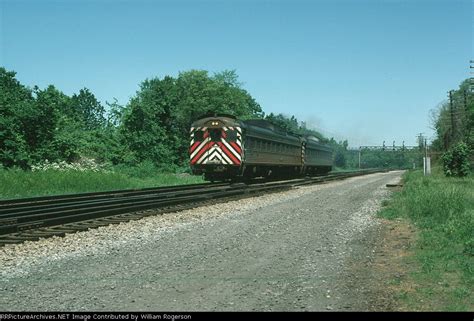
(290, 251)
(378, 278)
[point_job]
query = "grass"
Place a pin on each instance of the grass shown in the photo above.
(18, 183)
(442, 209)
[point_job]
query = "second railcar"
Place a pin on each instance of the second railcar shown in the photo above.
(270, 151)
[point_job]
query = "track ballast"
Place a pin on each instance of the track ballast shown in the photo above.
(30, 219)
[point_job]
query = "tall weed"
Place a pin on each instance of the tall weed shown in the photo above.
(443, 210)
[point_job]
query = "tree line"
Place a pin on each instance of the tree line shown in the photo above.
(45, 124)
(453, 122)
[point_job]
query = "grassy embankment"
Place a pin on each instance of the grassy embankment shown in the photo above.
(442, 210)
(18, 183)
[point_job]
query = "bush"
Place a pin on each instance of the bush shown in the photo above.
(456, 161)
(82, 165)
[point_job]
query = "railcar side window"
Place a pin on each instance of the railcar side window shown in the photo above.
(198, 135)
(248, 144)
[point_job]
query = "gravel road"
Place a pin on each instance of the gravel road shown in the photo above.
(279, 252)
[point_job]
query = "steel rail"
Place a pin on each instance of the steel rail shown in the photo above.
(11, 203)
(29, 219)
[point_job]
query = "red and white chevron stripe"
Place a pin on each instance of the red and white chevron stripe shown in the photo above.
(211, 152)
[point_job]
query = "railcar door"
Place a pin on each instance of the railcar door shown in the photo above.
(214, 154)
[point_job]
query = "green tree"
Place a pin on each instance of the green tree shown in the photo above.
(14, 98)
(88, 109)
(156, 121)
(147, 121)
(340, 151)
(115, 114)
(40, 123)
(289, 124)
(452, 128)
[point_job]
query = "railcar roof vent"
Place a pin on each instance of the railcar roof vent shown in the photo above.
(311, 137)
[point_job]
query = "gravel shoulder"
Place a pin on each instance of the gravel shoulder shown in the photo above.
(289, 251)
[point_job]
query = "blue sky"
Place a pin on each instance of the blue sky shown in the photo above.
(365, 71)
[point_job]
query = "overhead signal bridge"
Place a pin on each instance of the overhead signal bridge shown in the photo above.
(385, 148)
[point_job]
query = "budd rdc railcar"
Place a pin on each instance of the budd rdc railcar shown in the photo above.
(225, 148)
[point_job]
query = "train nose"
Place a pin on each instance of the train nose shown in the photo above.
(215, 146)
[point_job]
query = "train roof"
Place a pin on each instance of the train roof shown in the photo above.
(264, 129)
(260, 128)
(226, 120)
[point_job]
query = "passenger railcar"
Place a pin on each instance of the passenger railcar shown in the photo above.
(223, 147)
(317, 157)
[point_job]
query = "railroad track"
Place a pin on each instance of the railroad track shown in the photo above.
(30, 219)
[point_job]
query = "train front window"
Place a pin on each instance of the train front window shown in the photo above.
(215, 134)
(199, 135)
(231, 136)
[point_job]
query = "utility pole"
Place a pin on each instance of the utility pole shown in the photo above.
(423, 144)
(426, 161)
(466, 113)
(421, 147)
(451, 110)
(426, 148)
(360, 149)
(465, 101)
(471, 79)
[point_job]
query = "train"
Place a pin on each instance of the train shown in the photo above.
(223, 148)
